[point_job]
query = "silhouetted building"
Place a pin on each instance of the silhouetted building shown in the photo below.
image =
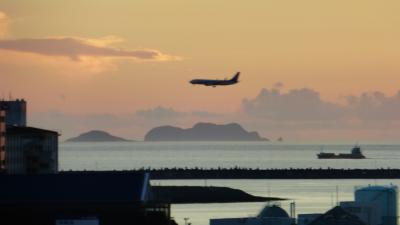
(31, 150)
(269, 215)
(337, 216)
(2, 140)
(105, 198)
(305, 219)
(15, 112)
(375, 205)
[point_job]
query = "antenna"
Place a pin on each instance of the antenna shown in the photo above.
(269, 195)
(186, 220)
(293, 209)
(337, 195)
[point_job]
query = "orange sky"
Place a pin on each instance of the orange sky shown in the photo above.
(337, 48)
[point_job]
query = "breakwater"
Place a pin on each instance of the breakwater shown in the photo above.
(204, 194)
(291, 173)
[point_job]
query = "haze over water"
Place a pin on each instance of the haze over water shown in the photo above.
(134, 155)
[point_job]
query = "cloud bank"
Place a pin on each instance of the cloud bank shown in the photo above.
(131, 126)
(295, 114)
(74, 48)
(296, 105)
(306, 105)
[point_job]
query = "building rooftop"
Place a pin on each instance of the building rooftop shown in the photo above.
(30, 130)
(74, 187)
(337, 216)
(376, 188)
(273, 211)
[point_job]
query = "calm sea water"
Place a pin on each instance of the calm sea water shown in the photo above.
(310, 195)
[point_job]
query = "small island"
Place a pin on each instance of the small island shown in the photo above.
(96, 136)
(203, 132)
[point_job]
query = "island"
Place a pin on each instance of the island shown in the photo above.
(203, 132)
(96, 136)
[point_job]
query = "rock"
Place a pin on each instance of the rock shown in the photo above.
(203, 132)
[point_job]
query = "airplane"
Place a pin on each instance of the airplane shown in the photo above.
(215, 83)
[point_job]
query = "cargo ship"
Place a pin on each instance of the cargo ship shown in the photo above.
(355, 154)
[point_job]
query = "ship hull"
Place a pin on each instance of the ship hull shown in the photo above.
(340, 156)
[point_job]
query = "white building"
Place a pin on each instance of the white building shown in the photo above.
(384, 199)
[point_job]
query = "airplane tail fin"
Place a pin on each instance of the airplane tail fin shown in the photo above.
(236, 77)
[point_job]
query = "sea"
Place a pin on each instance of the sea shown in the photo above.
(309, 196)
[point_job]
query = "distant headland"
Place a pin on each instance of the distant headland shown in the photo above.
(203, 132)
(96, 136)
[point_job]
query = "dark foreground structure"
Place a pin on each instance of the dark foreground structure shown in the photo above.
(291, 173)
(106, 198)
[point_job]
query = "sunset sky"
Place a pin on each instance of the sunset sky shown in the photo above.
(311, 69)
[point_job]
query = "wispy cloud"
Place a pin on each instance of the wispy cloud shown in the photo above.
(159, 113)
(75, 48)
(4, 23)
(164, 113)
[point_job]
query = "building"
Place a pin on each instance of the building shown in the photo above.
(337, 216)
(366, 211)
(31, 150)
(305, 219)
(105, 198)
(269, 215)
(2, 140)
(15, 112)
(382, 199)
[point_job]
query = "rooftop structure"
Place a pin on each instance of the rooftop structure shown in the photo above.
(269, 215)
(273, 211)
(15, 112)
(337, 216)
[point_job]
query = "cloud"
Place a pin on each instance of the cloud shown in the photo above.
(75, 48)
(306, 105)
(298, 104)
(4, 23)
(159, 113)
(302, 114)
(374, 106)
(164, 113)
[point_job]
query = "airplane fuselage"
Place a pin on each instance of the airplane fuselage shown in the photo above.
(212, 82)
(215, 83)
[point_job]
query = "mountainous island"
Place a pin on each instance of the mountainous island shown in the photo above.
(96, 136)
(203, 132)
